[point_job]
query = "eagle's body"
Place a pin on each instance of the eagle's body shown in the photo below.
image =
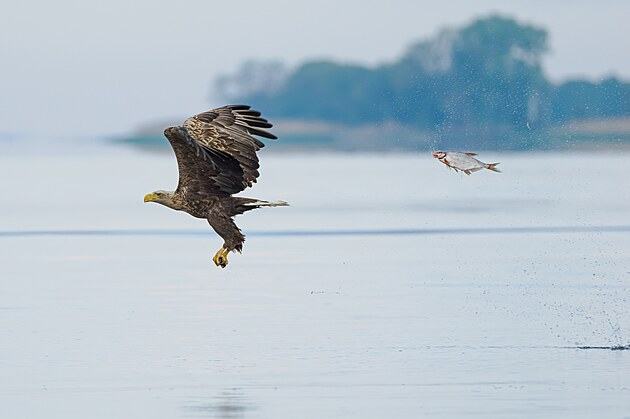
(216, 157)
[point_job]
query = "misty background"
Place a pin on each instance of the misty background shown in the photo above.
(94, 69)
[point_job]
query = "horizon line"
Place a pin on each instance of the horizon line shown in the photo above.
(318, 233)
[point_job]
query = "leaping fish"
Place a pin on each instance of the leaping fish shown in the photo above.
(466, 162)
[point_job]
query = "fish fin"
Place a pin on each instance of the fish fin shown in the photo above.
(476, 169)
(467, 172)
(493, 167)
(469, 153)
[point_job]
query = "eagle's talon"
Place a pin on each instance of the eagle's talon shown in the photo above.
(220, 258)
(222, 261)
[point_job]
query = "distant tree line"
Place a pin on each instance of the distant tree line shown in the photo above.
(484, 76)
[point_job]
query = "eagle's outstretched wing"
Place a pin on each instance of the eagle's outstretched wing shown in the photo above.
(216, 150)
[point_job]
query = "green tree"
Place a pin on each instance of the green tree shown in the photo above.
(484, 76)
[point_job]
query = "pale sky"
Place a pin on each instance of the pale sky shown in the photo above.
(93, 68)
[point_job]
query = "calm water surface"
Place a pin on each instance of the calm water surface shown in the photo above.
(445, 295)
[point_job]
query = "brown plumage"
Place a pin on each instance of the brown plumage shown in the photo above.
(216, 157)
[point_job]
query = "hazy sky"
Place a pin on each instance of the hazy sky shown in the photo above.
(103, 67)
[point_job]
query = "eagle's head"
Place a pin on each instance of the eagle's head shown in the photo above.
(158, 196)
(163, 197)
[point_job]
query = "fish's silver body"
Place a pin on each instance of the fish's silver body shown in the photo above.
(465, 162)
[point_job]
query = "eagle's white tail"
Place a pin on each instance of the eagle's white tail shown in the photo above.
(267, 204)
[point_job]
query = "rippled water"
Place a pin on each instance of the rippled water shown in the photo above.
(390, 288)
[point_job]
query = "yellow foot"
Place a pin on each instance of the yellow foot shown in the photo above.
(221, 257)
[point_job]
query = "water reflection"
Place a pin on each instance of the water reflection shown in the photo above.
(229, 404)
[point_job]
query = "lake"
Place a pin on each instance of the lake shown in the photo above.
(390, 288)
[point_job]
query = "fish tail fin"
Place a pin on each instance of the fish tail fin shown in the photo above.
(493, 167)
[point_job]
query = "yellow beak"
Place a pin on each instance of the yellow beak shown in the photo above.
(150, 197)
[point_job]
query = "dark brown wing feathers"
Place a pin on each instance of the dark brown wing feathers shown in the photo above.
(217, 154)
(203, 171)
